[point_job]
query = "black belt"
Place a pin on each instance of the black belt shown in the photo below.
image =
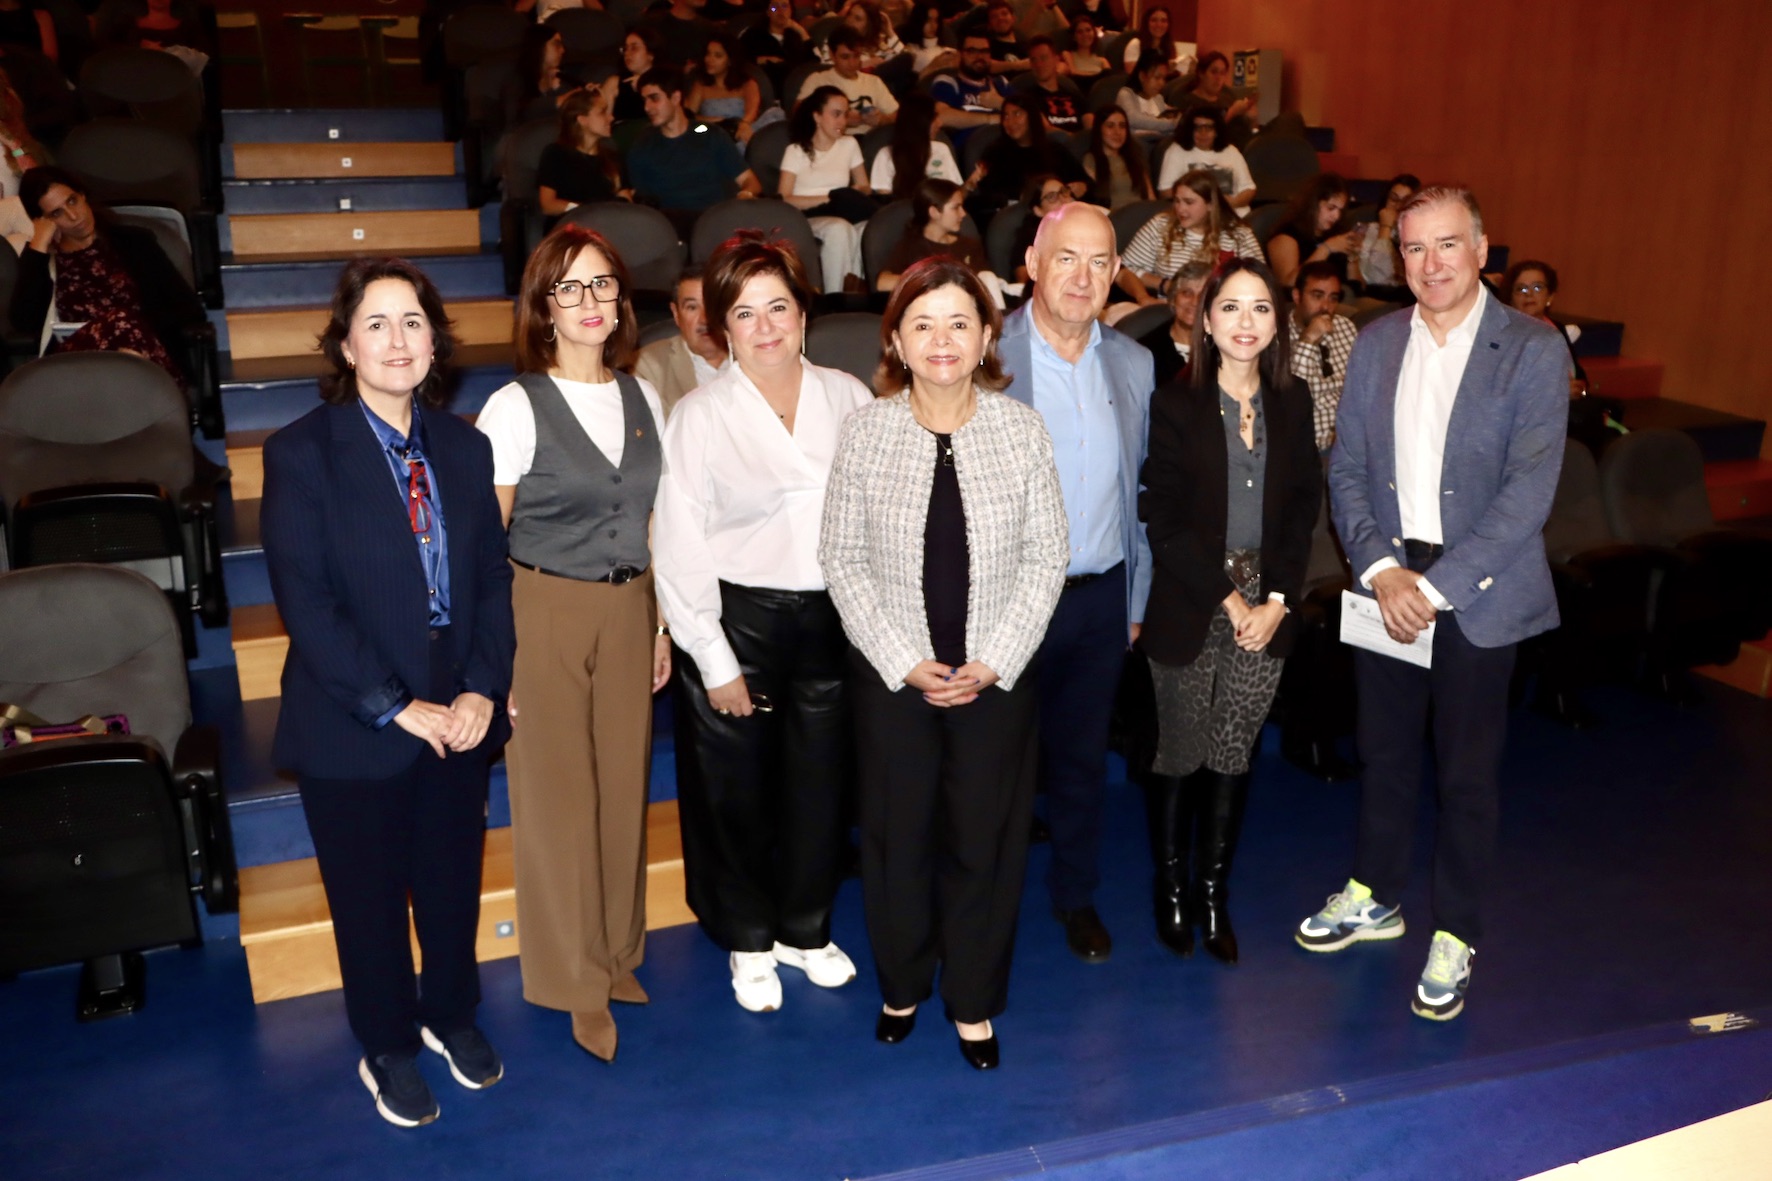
(1073, 581)
(616, 576)
(1421, 551)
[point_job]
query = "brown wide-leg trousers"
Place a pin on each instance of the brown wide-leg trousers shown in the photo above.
(578, 763)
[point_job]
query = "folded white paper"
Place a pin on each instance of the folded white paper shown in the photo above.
(1362, 625)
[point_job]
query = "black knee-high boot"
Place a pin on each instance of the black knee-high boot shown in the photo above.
(1170, 815)
(1219, 823)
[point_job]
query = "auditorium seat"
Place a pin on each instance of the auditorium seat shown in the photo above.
(849, 341)
(648, 244)
(719, 222)
(519, 214)
(106, 842)
(1129, 219)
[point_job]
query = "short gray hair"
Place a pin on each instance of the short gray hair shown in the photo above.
(1435, 196)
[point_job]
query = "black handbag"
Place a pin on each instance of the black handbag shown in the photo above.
(851, 205)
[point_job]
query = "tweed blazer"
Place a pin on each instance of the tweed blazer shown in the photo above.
(1017, 538)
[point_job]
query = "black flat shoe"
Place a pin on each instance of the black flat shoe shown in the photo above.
(980, 1055)
(893, 1028)
(1085, 935)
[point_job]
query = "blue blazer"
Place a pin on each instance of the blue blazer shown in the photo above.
(348, 582)
(1504, 450)
(1131, 376)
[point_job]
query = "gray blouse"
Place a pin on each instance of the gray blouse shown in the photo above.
(1246, 469)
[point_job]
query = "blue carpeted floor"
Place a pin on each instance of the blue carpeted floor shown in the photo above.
(1632, 894)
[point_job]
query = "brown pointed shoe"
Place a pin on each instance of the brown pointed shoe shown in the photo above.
(627, 990)
(595, 1034)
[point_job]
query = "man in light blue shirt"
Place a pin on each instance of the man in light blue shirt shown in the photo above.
(1093, 387)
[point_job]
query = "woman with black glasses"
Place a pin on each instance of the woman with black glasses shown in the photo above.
(576, 458)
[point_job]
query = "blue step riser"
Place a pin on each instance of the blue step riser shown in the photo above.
(277, 404)
(323, 196)
(247, 578)
(283, 285)
(361, 125)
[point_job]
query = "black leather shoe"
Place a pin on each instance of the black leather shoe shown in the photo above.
(1088, 940)
(980, 1055)
(893, 1028)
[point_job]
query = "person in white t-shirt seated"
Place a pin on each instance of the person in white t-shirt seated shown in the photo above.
(1142, 99)
(915, 154)
(821, 161)
(1200, 144)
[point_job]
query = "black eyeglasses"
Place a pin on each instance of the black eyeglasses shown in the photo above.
(569, 293)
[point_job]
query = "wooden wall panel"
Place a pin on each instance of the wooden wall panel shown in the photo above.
(1628, 144)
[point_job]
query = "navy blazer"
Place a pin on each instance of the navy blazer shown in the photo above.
(349, 584)
(1131, 377)
(1504, 450)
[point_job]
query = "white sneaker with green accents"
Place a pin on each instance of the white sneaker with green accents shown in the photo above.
(1440, 995)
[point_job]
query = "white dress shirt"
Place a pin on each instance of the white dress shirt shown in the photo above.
(508, 420)
(1427, 387)
(741, 501)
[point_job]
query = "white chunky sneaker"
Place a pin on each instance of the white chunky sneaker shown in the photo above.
(754, 981)
(825, 966)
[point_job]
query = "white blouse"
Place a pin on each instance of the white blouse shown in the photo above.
(817, 174)
(508, 420)
(741, 501)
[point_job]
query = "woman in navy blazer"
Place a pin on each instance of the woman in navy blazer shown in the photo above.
(387, 559)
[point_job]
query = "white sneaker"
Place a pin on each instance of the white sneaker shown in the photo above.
(825, 966)
(755, 982)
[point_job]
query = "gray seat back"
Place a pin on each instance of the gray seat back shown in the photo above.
(773, 216)
(169, 230)
(849, 341)
(1145, 319)
(1264, 220)
(586, 32)
(519, 157)
(1129, 219)
(645, 237)
(1281, 164)
(1577, 521)
(1652, 485)
(123, 162)
(999, 241)
(479, 31)
(768, 145)
(143, 84)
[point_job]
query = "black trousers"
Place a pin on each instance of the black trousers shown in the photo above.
(417, 836)
(1466, 696)
(946, 799)
(762, 799)
(1081, 660)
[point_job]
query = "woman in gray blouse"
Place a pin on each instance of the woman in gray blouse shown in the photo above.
(944, 544)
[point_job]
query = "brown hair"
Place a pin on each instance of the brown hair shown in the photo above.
(1220, 221)
(546, 267)
(340, 386)
(741, 258)
(919, 279)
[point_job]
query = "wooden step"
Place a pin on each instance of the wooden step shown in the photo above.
(260, 647)
(293, 332)
(304, 161)
(260, 237)
(1739, 488)
(286, 926)
(1623, 377)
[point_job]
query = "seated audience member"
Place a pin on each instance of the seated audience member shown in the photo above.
(921, 36)
(871, 103)
(1171, 344)
(1142, 99)
(582, 165)
(113, 289)
(1108, 16)
(1115, 163)
(30, 27)
(938, 214)
(1199, 144)
(1042, 193)
(1022, 150)
(1008, 54)
(1153, 37)
(879, 42)
(1530, 287)
(722, 91)
(1309, 233)
(1322, 341)
(1211, 89)
(1081, 60)
(690, 359)
(1061, 103)
(971, 97)
(539, 86)
(914, 152)
(822, 176)
(682, 31)
(156, 26)
(681, 168)
(778, 45)
(22, 153)
(1381, 266)
(639, 53)
(1199, 227)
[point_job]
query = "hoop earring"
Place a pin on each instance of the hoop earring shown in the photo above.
(551, 333)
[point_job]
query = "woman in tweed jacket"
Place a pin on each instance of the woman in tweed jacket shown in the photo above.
(944, 544)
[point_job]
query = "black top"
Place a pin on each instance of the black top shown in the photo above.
(1307, 246)
(758, 43)
(574, 175)
(19, 27)
(1008, 165)
(1162, 346)
(628, 103)
(947, 571)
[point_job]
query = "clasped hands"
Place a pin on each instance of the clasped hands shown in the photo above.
(946, 686)
(458, 726)
(1255, 626)
(1406, 611)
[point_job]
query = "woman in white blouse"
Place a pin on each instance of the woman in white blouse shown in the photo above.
(945, 544)
(576, 460)
(763, 744)
(821, 159)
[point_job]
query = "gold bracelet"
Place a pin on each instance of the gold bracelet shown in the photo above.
(664, 629)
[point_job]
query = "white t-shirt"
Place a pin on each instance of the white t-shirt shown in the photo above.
(817, 176)
(941, 166)
(1226, 165)
(508, 420)
(866, 92)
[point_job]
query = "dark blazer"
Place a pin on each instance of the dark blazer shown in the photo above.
(350, 587)
(1184, 506)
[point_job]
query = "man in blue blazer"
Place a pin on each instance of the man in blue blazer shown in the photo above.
(1448, 445)
(1092, 384)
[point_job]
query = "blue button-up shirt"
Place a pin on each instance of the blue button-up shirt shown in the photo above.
(1074, 401)
(433, 543)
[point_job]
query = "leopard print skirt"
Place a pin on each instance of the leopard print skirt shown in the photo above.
(1210, 712)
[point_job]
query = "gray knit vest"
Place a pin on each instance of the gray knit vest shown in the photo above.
(577, 514)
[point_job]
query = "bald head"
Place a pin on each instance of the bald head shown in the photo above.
(1073, 262)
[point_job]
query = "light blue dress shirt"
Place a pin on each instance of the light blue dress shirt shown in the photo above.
(1074, 401)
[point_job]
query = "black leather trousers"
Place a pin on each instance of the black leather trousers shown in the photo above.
(764, 800)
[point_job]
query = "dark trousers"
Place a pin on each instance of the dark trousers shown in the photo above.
(946, 799)
(761, 799)
(1466, 695)
(416, 836)
(1080, 662)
